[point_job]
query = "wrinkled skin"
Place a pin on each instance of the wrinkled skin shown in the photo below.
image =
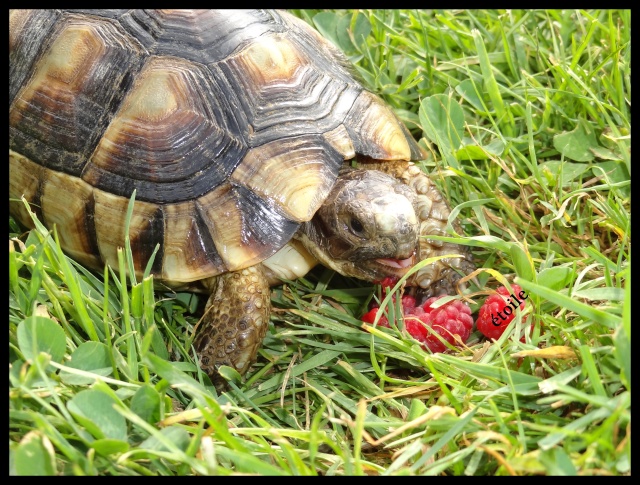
(373, 225)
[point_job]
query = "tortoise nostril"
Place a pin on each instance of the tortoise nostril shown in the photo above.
(408, 228)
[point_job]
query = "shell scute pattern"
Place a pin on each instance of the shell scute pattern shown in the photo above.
(165, 140)
(62, 110)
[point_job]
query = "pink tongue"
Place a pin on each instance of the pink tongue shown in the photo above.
(396, 263)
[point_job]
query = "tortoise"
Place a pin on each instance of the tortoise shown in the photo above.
(253, 148)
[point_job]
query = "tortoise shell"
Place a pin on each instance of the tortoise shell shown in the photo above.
(231, 126)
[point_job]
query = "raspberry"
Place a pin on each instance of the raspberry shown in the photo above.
(408, 302)
(492, 317)
(451, 319)
(370, 316)
(387, 282)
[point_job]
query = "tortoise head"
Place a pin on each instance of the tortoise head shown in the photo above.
(367, 227)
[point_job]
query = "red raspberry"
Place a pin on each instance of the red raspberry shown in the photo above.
(492, 317)
(453, 318)
(408, 302)
(370, 316)
(387, 281)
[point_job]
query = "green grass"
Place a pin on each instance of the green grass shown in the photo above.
(530, 143)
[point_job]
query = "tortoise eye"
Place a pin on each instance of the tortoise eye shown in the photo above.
(356, 225)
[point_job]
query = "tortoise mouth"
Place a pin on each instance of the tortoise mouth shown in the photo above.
(383, 267)
(397, 263)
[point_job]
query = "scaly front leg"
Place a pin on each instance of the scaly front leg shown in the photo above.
(235, 321)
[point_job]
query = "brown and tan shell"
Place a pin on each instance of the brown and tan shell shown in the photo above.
(231, 126)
